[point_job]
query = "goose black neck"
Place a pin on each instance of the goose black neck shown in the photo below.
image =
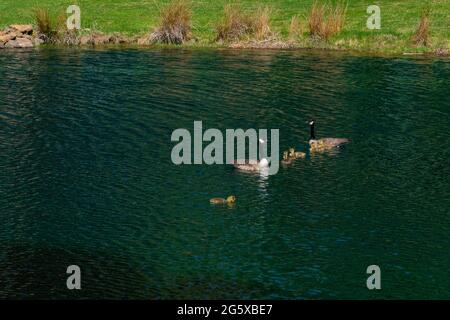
(312, 136)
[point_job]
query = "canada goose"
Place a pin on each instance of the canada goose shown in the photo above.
(324, 143)
(228, 200)
(252, 164)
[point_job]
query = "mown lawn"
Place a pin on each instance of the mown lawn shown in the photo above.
(398, 18)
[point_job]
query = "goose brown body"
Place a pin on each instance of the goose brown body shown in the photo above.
(326, 143)
(250, 165)
(323, 143)
(246, 165)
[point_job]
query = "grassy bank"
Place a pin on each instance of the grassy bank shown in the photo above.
(399, 20)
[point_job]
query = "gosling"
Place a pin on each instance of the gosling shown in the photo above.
(229, 200)
(296, 154)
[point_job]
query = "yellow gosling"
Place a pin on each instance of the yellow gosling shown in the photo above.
(299, 154)
(229, 200)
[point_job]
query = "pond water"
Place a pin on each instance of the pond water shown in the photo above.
(86, 176)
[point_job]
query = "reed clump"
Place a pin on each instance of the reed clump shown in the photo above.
(50, 28)
(234, 24)
(326, 20)
(261, 23)
(294, 28)
(237, 24)
(175, 24)
(421, 36)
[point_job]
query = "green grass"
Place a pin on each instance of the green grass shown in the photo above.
(399, 19)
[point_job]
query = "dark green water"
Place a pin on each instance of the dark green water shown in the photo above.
(86, 176)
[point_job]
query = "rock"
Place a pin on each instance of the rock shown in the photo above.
(23, 28)
(117, 38)
(101, 39)
(11, 44)
(17, 36)
(7, 37)
(2, 46)
(85, 40)
(95, 38)
(19, 43)
(7, 30)
(24, 43)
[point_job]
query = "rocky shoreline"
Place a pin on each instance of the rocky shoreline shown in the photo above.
(18, 36)
(22, 36)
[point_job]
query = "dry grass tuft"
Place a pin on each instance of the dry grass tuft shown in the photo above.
(316, 21)
(326, 20)
(261, 23)
(294, 28)
(423, 30)
(175, 26)
(236, 24)
(50, 28)
(336, 19)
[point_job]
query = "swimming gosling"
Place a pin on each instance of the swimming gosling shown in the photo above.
(229, 200)
(296, 154)
(324, 143)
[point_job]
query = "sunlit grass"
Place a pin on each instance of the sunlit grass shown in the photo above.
(398, 18)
